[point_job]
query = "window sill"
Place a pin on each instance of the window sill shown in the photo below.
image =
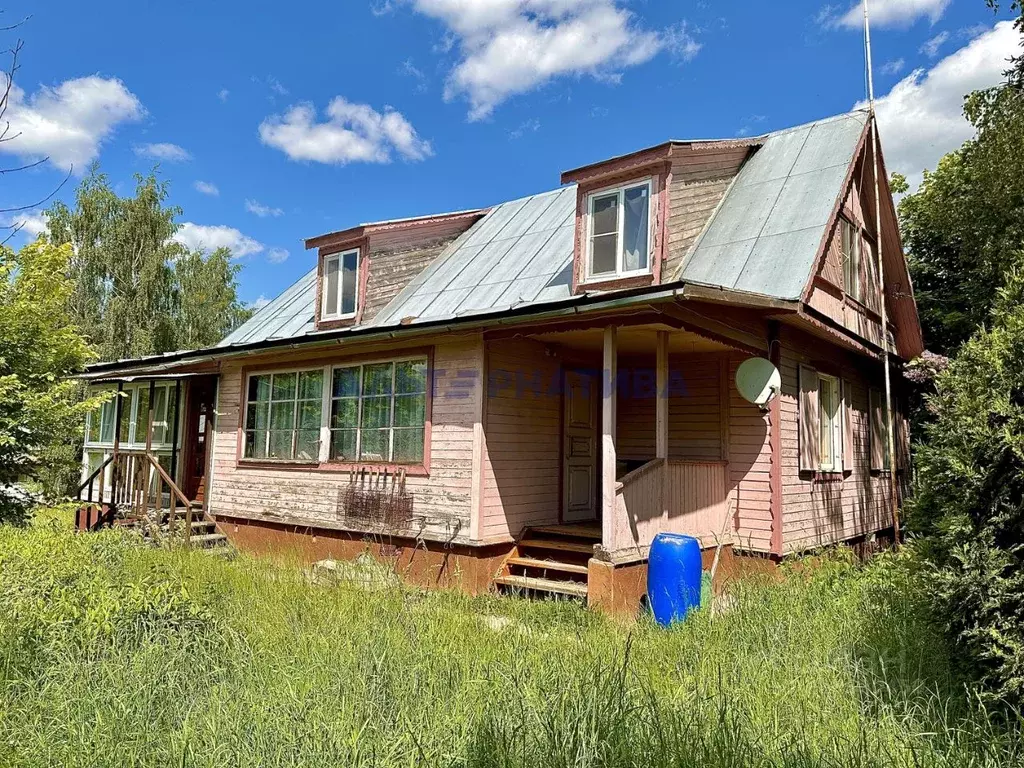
(332, 323)
(616, 283)
(411, 470)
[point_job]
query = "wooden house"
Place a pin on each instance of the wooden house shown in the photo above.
(525, 395)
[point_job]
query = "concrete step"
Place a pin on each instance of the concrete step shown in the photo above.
(548, 565)
(572, 588)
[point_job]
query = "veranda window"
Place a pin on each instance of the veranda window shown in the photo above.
(378, 412)
(283, 416)
(134, 418)
(618, 242)
(340, 285)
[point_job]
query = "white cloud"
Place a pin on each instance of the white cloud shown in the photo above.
(921, 118)
(891, 13)
(207, 188)
(223, 94)
(351, 133)
(260, 303)
(527, 126)
(28, 223)
(508, 47)
(932, 46)
(261, 210)
(277, 255)
(172, 153)
(201, 236)
(893, 67)
(68, 122)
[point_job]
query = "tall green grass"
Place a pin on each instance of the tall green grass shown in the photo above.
(115, 654)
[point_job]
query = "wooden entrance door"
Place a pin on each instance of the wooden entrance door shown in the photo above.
(198, 427)
(579, 447)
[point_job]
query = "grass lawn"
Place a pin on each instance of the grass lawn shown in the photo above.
(115, 654)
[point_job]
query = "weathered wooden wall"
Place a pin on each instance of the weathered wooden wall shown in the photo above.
(699, 181)
(523, 439)
(304, 496)
(391, 270)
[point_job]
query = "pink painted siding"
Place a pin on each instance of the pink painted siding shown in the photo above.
(750, 460)
(441, 501)
(821, 510)
(522, 460)
(694, 411)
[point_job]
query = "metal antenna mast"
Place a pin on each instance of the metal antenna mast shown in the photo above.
(876, 155)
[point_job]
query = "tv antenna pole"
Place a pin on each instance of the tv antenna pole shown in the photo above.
(876, 154)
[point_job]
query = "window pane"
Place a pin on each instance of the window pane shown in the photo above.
(280, 444)
(377, 379)
(376, 412)
(345, 413)
(826, 398)
(259, 388)
(284, 386)
(346, 382)
(374, 444)
(141, 414)
(637, 208)
(330, 287)
(107, 422)
(348, 284)
(410, 410)
(605, 214)
(307, 444)
(126, 416)
(160, 431)
(411, 377)
(408, 446)
(255, 444)
(309, 414)
(343, 444)
(282, 415)
(256, 416)
(602, 254)
(311, 385)
(92, 433)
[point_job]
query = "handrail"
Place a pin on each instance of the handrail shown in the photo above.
(176, 495)
(92, 477)
(637, 473)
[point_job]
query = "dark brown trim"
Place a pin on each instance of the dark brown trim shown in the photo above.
(363, 245)
(332, 239)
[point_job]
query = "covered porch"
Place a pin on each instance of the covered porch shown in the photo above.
(653, 438)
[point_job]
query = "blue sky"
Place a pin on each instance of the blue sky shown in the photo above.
(275, 124)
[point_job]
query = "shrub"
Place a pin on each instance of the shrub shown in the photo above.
(969, 505)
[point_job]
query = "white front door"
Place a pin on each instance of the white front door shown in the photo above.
(579, 471)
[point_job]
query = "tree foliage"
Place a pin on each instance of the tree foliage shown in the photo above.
(40, 407)
(964, 227)
(138, 291)
(969, 505)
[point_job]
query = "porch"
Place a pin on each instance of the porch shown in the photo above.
(644, 415)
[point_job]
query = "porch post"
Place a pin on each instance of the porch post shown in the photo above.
(661, 410)
(608, 416)
(174, 430)
(149, 415)
(114, 474)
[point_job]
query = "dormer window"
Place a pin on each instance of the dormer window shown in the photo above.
(619, 232)
(340, 285)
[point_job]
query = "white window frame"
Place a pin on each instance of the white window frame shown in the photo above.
(136, 436)
(326, 312)
(835, 426)
(852, 260)
(324, 401)
(619, 273)
(327, 393)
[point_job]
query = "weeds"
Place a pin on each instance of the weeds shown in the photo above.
(116, 654)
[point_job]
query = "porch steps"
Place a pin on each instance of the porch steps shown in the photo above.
(550, 560)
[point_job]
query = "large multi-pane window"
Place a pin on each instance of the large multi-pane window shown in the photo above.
(283, 415)
(618, 241)
(100, 424)
(370, 412)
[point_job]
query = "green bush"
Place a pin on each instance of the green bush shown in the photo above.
(969, 504)
(115, 654)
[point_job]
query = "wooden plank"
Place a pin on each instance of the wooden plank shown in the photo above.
(550, 565)
(574, 588)
(565, 546)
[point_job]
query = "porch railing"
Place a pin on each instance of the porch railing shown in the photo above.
(668, 495)
(139, 490)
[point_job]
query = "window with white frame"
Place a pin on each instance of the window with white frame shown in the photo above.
(100, 423)
(850, 240)
(830, 445)
(619, 232)
(340, 287)
(368, 412)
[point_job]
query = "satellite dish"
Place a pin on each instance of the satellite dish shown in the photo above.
(758, 381)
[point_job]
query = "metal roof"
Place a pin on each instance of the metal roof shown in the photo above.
(764, 237)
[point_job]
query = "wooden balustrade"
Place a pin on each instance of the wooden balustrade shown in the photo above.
(668, 495)
(138, 486)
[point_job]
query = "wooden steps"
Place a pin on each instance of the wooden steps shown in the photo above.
(550, 560)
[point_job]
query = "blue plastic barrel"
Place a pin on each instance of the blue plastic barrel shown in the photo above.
(673, 577)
